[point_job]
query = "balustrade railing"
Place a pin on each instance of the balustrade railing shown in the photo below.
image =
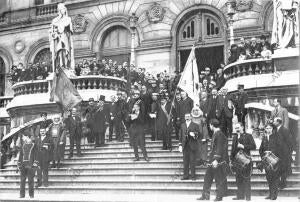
(4, 101)
(89, 82)
(31, 87)
(248, 67)
(43, 10)
(99, 82)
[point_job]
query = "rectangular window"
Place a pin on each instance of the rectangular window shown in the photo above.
(38, 2)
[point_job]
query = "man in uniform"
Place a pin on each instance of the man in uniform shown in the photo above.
(136, 119)
(218, 157)
(117, 117)
(188, 144)
(211, 111)
(242, 142)
(101, 116)
(44, 145)
(152, 114)
(281, 112)
(26, 164)
(176, 117)
(74, 126)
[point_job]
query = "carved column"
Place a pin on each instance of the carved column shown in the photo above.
(132, 23)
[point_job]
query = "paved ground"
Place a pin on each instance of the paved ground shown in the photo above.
(125, 198)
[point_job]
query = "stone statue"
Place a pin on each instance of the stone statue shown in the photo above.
(61, 44)
(286, 23)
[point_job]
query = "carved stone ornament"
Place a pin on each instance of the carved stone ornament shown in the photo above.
(156, 13)
(244, 5)
(79, 23)
(19, 46)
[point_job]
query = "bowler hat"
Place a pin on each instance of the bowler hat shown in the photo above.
(102, 98)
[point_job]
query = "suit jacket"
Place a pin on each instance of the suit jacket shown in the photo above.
(74, 126)
(141, 117)
(101, 116)
(283, 114)
(45, 147)
(246, 140)
(285, 144)
(28, 155)
(272, 144)
(240, 101)
(211, 107)
(185, 106)
(222, 106)
(219, 148)
(185, 138)
(161, 119)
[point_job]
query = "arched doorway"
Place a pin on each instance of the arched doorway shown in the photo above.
(116, 44)
(203, 28)
(2, 77)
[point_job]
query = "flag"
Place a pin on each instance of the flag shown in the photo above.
(189, 81)
(63, 92)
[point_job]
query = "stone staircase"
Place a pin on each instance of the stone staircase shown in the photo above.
(111, 170)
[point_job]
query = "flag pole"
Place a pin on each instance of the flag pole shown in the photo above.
(172, 104)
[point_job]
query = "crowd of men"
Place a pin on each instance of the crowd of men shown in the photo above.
(250, 49)
(154, 105)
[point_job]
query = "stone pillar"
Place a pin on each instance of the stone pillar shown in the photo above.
(231, 35)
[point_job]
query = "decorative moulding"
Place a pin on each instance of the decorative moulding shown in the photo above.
(79, 23)
(19, 46)
(244, 5)
(155, 13)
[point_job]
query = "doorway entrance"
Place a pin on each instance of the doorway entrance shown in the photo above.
(206, 57)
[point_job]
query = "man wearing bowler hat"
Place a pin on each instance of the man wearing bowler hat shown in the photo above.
(240, 100)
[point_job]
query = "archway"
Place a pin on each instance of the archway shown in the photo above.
(205, 27)
(116, 44)
(43, 55)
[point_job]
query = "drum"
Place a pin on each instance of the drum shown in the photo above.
(241, 160)
(270, 161)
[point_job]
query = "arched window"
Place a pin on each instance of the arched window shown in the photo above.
(2, 76)
(116, 44)
(43, 55)
(212, 26)
(189, 30)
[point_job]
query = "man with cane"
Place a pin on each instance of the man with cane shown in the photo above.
(217, 159)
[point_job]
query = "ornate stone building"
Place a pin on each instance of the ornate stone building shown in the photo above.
(155, 35)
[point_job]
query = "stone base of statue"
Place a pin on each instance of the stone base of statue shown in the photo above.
(286, 52)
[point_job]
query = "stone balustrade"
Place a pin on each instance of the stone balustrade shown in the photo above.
(50, 9)
(4, 100)
(248, 67)
(99, 82)
(89, 82)
(30, 87)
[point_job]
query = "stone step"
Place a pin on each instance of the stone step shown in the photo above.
(129, 169)
(158, 190)
(122, 175)
(173, 182)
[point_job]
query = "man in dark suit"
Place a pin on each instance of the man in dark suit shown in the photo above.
(240, 101)
(211, 111)
(164, 122)
(185, 106)
(44, 145)
(74, 126)
(118, 116)
(89, 114)
(281, 112)
(112, 112)
(136, 119)
(27, 163)
(242, 142)
(101, 116)
(152, 115)
(224, 112)
(218, 158)
(270, 143)
(176, 117)
(286, 148)
(188, 144)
